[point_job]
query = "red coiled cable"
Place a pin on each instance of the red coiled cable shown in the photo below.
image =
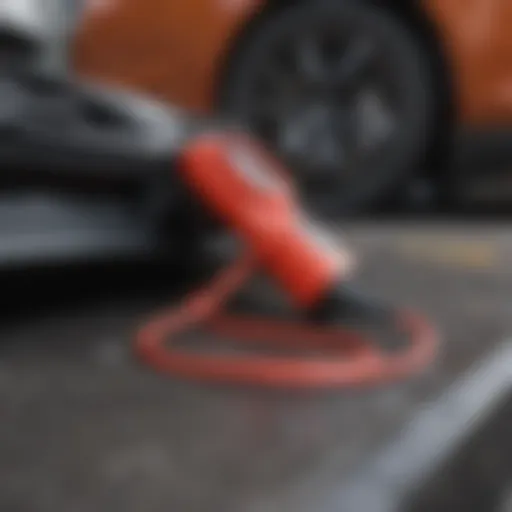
(351, 358)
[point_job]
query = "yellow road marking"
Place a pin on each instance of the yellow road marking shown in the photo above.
(472, 254)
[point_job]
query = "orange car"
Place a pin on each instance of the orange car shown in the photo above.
(357, 95)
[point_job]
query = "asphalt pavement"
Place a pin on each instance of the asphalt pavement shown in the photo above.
(86, 428)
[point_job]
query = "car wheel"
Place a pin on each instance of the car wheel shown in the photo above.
(342, 90)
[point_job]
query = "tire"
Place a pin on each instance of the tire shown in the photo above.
(402, 62)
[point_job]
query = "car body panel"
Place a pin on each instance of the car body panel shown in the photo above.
(172, 49)
(475, 35)
(176, 50)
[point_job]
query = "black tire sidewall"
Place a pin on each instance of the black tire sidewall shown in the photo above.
(410, 63)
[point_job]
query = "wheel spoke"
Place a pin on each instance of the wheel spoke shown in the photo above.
(347, 130)
(376, 121)
(355, 60)
(310, 61)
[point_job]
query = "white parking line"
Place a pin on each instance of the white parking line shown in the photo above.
(431, 437)
(384, 481)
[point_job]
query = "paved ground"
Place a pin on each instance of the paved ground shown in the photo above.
(85, 428)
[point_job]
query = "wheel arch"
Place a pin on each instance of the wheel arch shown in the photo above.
(416, 16)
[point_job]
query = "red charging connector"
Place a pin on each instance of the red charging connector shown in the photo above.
(250, 193)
